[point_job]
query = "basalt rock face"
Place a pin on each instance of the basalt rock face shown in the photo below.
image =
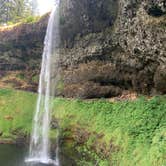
(21, 45)
(107, 47)
(83, 17)
(20, 54)
(127, 52)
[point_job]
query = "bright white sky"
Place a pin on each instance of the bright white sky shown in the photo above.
(45, 6)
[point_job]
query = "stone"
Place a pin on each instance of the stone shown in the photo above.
(160, 79)
(107, 47)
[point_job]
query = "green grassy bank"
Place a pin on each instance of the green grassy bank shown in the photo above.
(128, 133)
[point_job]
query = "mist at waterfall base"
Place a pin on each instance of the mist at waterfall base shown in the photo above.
(39, 151)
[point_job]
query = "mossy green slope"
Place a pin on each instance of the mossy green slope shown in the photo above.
(16, 112)
(136, 128)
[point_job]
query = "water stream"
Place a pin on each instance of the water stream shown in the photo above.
(14, 155)
(40, 144)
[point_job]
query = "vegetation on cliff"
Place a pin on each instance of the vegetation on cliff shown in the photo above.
(13, 11)
(121, 133)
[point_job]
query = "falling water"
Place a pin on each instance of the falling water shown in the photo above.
(40, 144)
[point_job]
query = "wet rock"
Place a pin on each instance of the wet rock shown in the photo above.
(21, 46)
(160, 79)
(124, 55)
(107, 47)
(7, 141)
(156, 8)
(54, 124)
(83, 17)
(20, 51)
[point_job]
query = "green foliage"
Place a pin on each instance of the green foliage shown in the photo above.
(12, 11)
(16, 111)
(137, 128)
(21, 76)
(35, 78)
(31, 19)
(60, 85)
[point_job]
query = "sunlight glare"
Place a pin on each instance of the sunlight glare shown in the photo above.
(45, 6)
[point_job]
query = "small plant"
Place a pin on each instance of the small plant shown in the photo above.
(30, 19)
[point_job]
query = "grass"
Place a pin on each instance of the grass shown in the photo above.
(16, 111)
(27, 20)
(137, 128)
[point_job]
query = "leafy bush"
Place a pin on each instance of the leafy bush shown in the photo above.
(31, 19)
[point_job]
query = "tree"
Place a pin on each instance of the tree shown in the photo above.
(5, 10)
(13, 10)
(34, 7)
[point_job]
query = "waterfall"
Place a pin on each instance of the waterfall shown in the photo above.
(40, 145)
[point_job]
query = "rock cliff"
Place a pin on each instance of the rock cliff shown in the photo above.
(107, 47)
(20, 54)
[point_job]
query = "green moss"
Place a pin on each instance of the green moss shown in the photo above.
(35, 79)
(31, 19)
(16, 111)
(60, 85)
(135, 130)
(21, 76)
